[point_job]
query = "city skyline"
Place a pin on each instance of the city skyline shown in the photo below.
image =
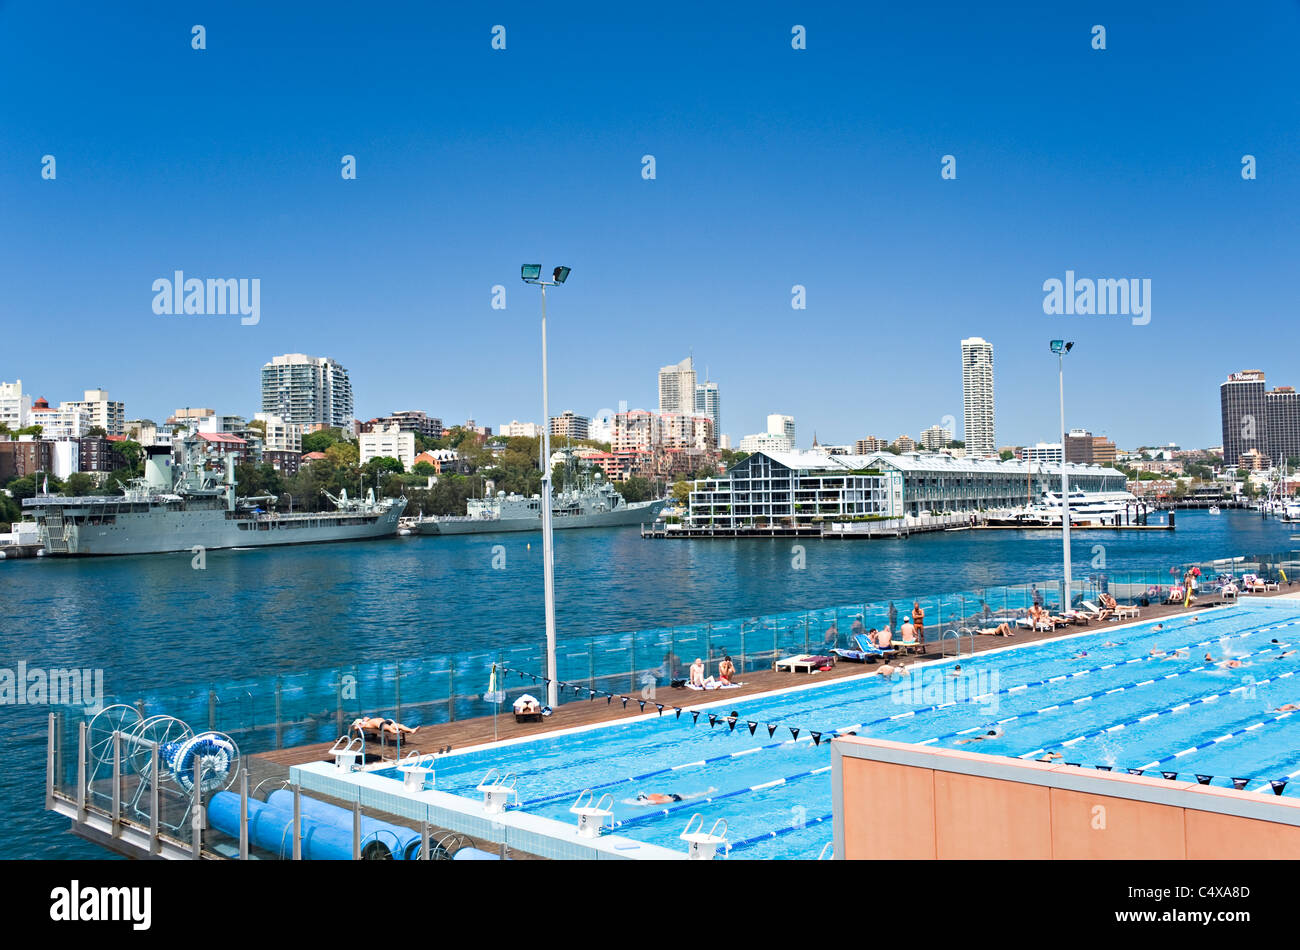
(774, 169)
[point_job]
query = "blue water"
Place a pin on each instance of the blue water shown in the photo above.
(153, 623)
(1117, 706)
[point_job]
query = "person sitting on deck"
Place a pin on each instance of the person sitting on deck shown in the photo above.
(388, 727)
(907, 634)
(726, 671)
(883, 639)
(699, 679)
(1108, 606)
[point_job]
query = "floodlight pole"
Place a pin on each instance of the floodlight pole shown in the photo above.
(1065, 487)
(548, 547)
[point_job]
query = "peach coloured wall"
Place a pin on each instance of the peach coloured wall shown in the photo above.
(937, 805)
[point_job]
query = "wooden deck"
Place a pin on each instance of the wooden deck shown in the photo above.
(486, 729)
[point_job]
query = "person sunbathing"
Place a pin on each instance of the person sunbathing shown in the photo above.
(388, 727)
(1001, 630)
(1108, 606)
(697, 672)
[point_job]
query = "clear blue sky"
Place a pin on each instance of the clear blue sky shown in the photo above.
(775, 167)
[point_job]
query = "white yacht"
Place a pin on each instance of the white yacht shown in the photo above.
(1087, 508)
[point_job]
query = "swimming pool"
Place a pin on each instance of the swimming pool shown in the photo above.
(1098, 698)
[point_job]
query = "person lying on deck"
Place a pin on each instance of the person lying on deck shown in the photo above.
(388, 727)
(1001, 630)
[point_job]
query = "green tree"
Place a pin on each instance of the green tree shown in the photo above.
(382, 463)
(320, 441)
(1008, 454)
(131, 453)
(343, 454)
(97, 432)
(635, 488)
(79, 484)
(424, 468)
(33, 430)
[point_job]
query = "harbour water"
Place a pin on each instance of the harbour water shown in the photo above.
(157, 623)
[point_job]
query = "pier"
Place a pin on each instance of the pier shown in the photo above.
(888, 528)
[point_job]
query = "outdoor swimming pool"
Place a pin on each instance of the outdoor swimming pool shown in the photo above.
(1098, 698)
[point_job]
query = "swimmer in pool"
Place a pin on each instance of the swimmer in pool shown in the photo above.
(888, 672)
(997, 732)
(666, 798)
(1050, 756)
(1158, 626)
(1287, 707)
(1231, 664)
(1110, 644)
(1177, 655)
(1156, 651)
(1080, 655)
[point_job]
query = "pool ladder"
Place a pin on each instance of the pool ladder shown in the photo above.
(347, 751)
(956, 636)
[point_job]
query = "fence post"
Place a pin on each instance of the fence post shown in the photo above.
(742, 646)
(451, 691)
(279, 719)
(807, 618)
(397, 691)
(212, 708)
(591, 664)
(338, 702)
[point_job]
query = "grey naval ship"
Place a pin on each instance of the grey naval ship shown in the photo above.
(178, 507)
(591, 504)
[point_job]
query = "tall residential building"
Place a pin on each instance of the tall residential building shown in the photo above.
(1244, 414)
(683, 431)
(781, 425)
(308, 390)
(1283, 405)
(905, 443)
(104, 412)
(977, 395)
(707, 404)
(868, 445)
(570, 425)
(677, 387)
(935, 438)
(15, 408)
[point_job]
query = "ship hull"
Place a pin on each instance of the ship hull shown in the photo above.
(638, 513)
(177, 531)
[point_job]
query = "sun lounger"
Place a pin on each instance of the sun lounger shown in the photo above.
(1044, 626)
(866, 650)
(1176, 595)
(804, 662)
(1130, 611)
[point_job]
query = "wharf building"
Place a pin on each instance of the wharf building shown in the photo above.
(800, 488)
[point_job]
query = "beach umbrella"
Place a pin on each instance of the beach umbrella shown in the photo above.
(1196, 572)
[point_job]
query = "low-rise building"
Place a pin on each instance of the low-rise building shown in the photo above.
(105, 413)
(514, 429)
(804, 487)
(389, 442)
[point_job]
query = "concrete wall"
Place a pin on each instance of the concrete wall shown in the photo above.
(900, 801)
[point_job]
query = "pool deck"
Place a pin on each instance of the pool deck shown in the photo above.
(576, 714)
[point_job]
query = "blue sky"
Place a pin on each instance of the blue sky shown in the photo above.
(774, 167)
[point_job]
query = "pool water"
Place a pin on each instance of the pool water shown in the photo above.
(1098, 698)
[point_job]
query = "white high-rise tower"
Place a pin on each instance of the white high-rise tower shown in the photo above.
(677, 388)
(977, 395)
